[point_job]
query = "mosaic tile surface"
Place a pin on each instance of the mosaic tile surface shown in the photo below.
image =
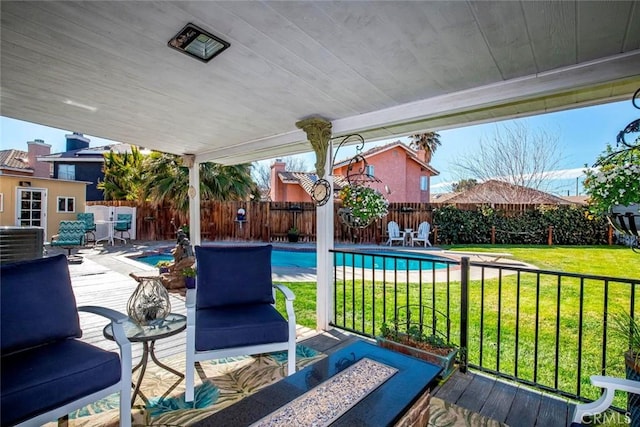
(326, 402)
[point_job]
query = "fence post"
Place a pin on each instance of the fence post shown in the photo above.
(550, 236)
(493, 234)
(464, 311)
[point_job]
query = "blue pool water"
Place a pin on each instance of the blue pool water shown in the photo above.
(307, 259)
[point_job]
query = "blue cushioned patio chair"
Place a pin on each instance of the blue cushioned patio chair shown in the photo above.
(123, 225)
(89, 225)
(70, 235)
(231, 311)
(47, 372)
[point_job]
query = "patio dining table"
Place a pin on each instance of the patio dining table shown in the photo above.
(111, 235)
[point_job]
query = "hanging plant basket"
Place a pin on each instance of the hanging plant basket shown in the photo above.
(362, 206)
(352, 221)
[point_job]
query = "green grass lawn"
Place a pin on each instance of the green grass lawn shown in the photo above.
(616, 261)
(508, 312)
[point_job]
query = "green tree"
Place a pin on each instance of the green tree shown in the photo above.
(464, 185)
(428, 141)
(122, 175)
(167, 179)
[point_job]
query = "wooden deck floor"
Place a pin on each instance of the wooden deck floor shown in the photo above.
(514, 405)
(104, 280)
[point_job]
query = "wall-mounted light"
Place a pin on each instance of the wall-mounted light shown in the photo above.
(198, 43)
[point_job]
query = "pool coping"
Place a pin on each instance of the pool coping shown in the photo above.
(300, 274)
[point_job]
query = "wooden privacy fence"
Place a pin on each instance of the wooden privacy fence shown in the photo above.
(265, 221)
(270, 221)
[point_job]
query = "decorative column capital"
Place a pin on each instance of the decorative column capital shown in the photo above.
(318, 132)
(188, 160)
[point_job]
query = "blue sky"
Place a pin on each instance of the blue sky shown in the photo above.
(582, 134)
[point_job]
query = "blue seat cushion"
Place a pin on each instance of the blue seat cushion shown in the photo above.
(37, 304)
(233, 276)
(237, 326)
(37, 380)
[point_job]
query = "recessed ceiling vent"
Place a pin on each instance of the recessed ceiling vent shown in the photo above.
(198, 43)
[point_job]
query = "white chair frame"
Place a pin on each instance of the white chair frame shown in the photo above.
(194, 356)
(416, 235)
(610, 385)
(395, 235)
(123, 386)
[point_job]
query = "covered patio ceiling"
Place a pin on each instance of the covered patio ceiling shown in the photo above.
(380, 68)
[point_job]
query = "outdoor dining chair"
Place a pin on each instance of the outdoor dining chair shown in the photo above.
(89, 224)
(231, 312)
(123, 225)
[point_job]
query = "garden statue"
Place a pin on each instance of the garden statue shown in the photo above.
(183, 257)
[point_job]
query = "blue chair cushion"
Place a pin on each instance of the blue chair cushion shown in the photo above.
(37, 304)
(43, 378)
(238, 275)
(219, 328)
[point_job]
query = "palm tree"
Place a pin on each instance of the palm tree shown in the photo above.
(122, 175)
(167, 179)
(428, 141)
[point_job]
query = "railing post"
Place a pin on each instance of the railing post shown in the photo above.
(464, 312)
(610, 235)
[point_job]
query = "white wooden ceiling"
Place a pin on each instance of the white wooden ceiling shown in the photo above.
(384, 69)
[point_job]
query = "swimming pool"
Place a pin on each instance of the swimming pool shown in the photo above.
(307, 259)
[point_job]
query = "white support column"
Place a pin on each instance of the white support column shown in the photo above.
(194, 198)
(318, 132)
(324, 227)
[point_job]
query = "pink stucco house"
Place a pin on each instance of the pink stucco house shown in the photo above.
(403, 171)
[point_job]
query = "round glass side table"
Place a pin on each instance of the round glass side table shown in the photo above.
(148, 335)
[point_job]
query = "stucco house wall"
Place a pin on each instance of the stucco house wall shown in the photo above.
(398, 172)
(10, 185)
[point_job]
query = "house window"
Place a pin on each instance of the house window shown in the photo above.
(67, 172)
(66, 204)
(370, 170)
(424, 183)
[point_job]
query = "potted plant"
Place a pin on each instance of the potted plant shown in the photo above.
(361, 205)
(163, 266)
(627, 328)
(293, 234)
(189, 274)
(410, 338)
